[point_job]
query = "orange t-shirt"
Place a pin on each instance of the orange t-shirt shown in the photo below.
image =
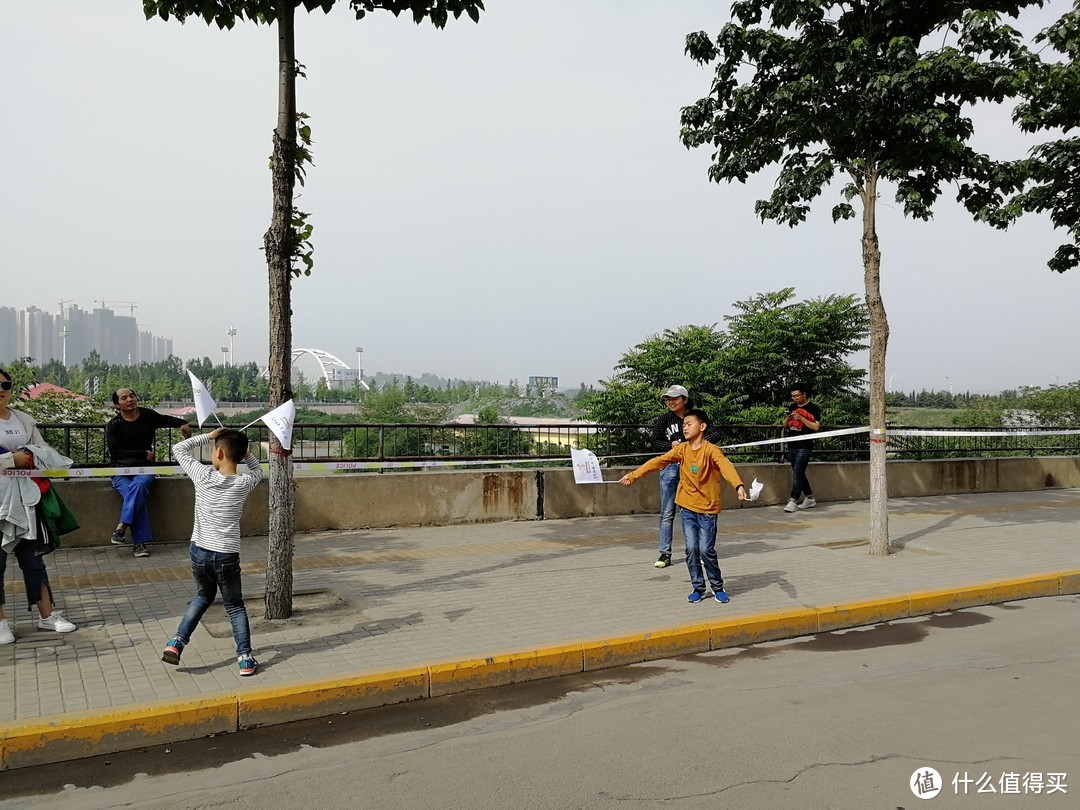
(700, 472)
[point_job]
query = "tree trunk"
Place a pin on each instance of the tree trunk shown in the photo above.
(278, 243)
(879, 341)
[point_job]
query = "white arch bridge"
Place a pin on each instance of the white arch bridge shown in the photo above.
(311, 365)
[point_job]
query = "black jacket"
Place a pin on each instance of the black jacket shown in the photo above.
(129, 442)
(669, 428)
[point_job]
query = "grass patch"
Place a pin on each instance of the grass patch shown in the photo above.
(922, 417)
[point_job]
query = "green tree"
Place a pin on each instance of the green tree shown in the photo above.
(688, 355)
(1056, 406)
(872, 90)
(53, 407)
(387, 405)
(287, 242)
(742, 374)
(773, 342)
(1050, 103)
(488, 415)
(55, 372)
(488, 441)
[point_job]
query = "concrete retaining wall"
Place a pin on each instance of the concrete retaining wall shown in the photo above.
(443, 498)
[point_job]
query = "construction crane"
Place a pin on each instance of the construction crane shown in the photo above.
(105, 304)
(63, 312)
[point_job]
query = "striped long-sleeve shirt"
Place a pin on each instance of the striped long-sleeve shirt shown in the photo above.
(219, 499)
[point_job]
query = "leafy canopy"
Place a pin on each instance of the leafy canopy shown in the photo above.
(847, 87)
(1056, 406)
(743, 374)
(1051, 101)
(226, 13)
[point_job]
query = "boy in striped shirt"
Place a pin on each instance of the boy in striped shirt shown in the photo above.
(220, 492)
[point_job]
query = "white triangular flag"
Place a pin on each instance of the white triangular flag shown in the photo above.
(280, 421)
(204, 403)
(586, 467)
(755, 490)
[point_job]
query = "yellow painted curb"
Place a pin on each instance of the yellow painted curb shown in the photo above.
(1069, 582)
(506, 668)
(739, 632)
(284, 704)
(614, 652)
(856, 614)
(1006, 590)
(82, 734)
(924, 602)
(62, 737)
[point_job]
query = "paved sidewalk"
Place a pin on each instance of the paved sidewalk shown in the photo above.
(402, 598)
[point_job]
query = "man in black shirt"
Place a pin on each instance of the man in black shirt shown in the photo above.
(129, 438)
(803, 418)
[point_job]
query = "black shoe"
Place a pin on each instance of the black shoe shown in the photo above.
(117, 539)
(664, 561)
(141, 550)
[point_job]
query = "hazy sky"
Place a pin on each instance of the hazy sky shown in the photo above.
(490, 201)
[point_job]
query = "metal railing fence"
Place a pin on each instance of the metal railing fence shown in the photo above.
(350, 441)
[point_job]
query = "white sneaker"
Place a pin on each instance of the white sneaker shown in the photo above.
(791, 505)
(6, 636)
(808, 503)
(56, 622)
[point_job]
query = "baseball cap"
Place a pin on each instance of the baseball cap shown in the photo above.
(675, 391)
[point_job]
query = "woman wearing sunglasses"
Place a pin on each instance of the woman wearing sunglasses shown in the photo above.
(22, 529)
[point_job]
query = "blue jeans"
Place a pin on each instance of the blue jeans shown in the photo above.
(33, 571)
(800, 457)
(699, 531)
(213, 570)
(135, 490)
(669, 485)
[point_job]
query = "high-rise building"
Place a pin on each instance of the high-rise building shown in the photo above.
(9, 333)
(36, 334)
(73, 333)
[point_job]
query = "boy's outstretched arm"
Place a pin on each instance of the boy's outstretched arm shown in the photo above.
(673, 456)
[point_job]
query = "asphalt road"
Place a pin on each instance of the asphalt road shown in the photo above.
(839, 720)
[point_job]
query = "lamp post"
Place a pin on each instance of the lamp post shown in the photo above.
(63, 339)
(224, 355)
(231, 332)
(360, 362)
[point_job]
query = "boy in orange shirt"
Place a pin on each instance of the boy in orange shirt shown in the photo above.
(701, 465)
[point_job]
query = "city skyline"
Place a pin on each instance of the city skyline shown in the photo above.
(72, 333)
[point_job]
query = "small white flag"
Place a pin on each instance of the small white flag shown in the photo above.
(755, 490)
(204, 403)
(280, 421)
(586, 467)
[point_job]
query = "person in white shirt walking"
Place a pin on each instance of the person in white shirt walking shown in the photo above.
(220, 493)
(21, 525)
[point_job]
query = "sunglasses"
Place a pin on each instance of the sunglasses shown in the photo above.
(5, 385)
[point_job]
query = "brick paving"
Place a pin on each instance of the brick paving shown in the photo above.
(405, 597)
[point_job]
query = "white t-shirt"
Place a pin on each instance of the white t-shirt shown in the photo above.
(12, 437)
